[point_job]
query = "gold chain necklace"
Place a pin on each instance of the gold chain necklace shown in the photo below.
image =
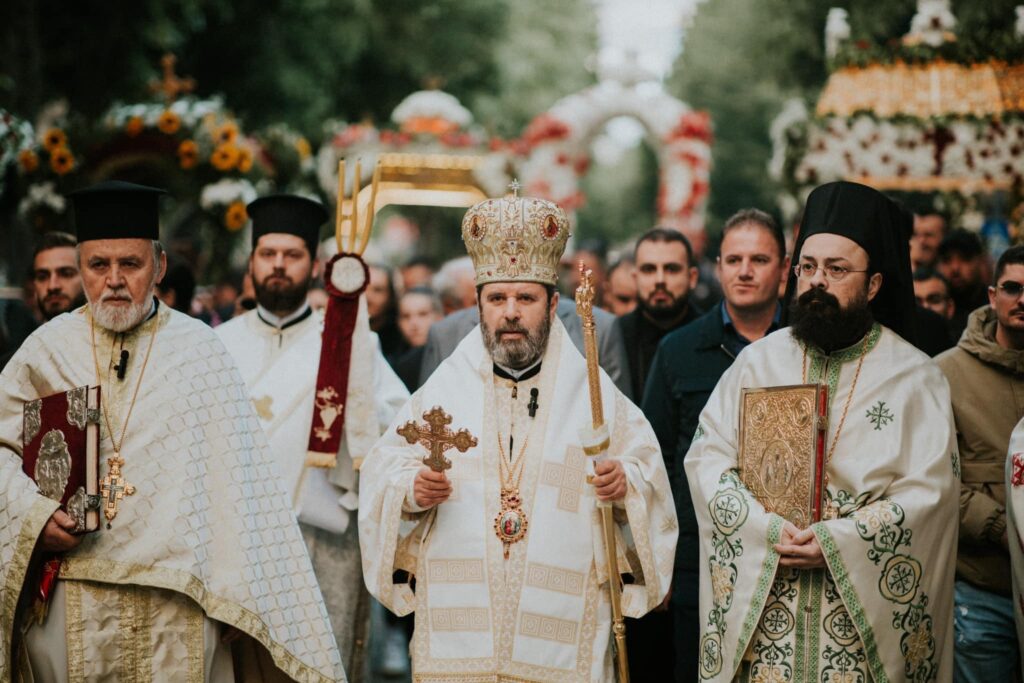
(511, 521)
(114, 486)
(846, 405)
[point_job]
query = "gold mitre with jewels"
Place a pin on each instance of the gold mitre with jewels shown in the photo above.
(515, 239)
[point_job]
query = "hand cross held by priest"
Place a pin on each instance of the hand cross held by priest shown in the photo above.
(198, 570)
(501, 556)
(866, 592)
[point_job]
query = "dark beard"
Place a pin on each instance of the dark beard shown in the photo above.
(663, 314)
(520, 353)
(817, 320)
(281, 298)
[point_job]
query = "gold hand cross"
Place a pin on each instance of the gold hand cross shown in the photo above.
(114, 488)
(437, 438)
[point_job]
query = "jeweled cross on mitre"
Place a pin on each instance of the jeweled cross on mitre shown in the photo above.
(437, 438)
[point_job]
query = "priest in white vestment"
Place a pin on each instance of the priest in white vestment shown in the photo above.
(865, 594)
(501, 556)
(198, 571)
(277, 348)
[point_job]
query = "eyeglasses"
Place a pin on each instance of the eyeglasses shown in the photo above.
(1010, 288)
(832, 272)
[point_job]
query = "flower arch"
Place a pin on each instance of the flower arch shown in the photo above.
(555, 147)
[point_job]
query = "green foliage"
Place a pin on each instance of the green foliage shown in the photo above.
(540, 57)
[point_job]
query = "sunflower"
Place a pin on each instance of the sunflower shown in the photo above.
(235, 217)
(133, 126)
(226, 133)
(303, 148)
(61, 161)
(28, 160)
(244, 160)
(224, 157)
(54, 139)
(188, 154)
(169, 122)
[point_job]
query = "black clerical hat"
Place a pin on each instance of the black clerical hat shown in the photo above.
(882, 228)
(290, 214)
(117, 210)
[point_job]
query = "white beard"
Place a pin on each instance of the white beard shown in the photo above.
(119, 318)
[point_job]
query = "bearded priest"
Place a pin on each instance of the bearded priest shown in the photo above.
(278, 350)
(198, 570)
(498, 549)
(834, 563)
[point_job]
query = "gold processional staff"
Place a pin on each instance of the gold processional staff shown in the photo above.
(596, 449)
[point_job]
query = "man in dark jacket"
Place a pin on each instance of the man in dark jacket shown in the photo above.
(665, 276)
(752, 265)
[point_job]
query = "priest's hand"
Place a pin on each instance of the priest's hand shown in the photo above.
(55, 537)
(799, 549)
(430, 488)
(610, 480)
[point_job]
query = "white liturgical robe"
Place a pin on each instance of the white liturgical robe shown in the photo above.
(208, 535)
(542, 614)
(278, 360)
(882, 610)
(1015, 525)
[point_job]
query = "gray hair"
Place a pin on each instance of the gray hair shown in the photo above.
(446, 281)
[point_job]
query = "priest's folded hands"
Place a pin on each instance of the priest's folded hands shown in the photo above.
(799, 548)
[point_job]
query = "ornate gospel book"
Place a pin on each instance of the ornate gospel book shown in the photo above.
(782, 449)
(60, 452)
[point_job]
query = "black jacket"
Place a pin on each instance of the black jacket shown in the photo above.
(642, 338)
(687, 366)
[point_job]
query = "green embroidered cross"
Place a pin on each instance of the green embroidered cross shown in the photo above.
(879, 415)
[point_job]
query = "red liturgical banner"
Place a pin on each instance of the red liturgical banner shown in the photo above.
(60, 452)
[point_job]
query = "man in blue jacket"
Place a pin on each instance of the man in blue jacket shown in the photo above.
(752, 268)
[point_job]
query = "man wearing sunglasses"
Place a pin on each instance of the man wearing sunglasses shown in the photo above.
(986, 381)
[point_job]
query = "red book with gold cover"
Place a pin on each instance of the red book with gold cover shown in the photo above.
(60, 452)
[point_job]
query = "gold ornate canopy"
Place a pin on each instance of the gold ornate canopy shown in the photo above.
(445, 180)
(925, 90)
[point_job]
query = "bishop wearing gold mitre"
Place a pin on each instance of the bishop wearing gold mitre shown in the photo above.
(497, 546)
(197, 570)
(824, 473)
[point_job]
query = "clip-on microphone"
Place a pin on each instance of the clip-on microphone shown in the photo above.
(122, 367)
(532, 405)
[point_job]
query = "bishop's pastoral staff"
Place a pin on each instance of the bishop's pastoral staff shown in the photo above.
(497, 546)
(197, 571)
(278, 350)
(828, 547)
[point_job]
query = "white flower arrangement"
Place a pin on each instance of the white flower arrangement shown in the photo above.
(190, 110)
(933, 24)
(837, 31)
(431, 104)
(42, 195)
(225, 192)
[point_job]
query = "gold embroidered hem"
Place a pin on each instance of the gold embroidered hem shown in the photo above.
(32, 525)
(126, 634)
(109, 572)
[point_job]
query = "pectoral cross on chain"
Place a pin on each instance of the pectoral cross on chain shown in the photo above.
(437, 438)
(114, 488)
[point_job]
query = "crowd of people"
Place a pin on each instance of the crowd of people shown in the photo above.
(673, 327)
